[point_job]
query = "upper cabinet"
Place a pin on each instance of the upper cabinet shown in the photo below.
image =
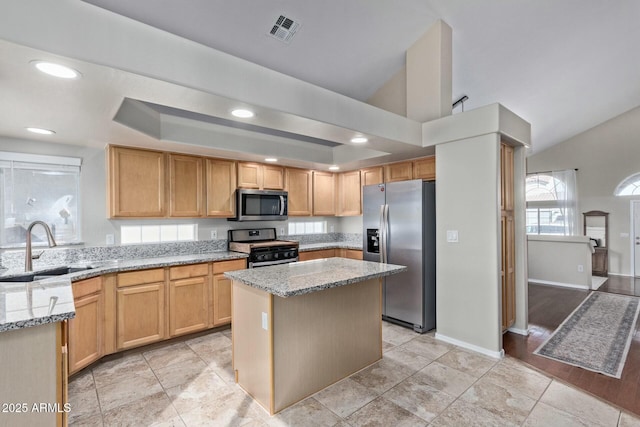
(136, 182)
(425, 168)
(260, 176)
(324, 193)
(221, 187)
(402, 171)
(349, 201)
(186, 186)
(298, 184)
(372, 175)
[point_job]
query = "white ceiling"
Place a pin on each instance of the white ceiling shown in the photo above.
(564, 66)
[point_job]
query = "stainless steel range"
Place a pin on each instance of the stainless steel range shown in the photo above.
(262, 246)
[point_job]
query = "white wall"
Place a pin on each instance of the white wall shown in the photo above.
(555, 260)
(604, 156)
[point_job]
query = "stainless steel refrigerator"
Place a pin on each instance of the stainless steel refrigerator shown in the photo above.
(399, 221)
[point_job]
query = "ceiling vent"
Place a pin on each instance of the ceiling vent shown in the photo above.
(284, 29)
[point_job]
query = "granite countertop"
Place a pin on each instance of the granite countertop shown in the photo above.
(35, 303)
(286, 280)
(330, 245)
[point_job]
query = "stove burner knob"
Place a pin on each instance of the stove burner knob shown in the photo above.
(276, 256)
(286, 254)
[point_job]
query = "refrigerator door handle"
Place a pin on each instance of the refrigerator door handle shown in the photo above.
(386, 234)
(381, 233)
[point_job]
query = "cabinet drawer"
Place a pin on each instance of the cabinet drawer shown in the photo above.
(186, 271)
(87, 287)
(236, 264)
(323, 253)
(140, 277)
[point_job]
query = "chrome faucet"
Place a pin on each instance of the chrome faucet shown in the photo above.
(28, 263)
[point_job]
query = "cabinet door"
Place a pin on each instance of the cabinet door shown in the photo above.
(349, 202)
(272, 177)
(141, 315)
(298, 184)
(371, 176)
(188, 307)
(398, 172)
(508, 272)
(324, 193)
(85, 332)
(249, 175)
(506, 177)
(425, 168)
(310, 255)
(136, 181)
(351, 254)
(186, 183)
(221, 187)
(221, 300)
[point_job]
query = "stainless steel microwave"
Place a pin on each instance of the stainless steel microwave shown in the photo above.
(260, 205)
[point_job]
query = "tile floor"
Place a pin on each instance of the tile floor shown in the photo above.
(420, 381)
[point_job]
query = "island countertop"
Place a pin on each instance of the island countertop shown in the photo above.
(298, 278)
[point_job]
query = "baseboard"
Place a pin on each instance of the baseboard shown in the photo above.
(519, 331)
(472, 347)
(559, 284)
(619, 274)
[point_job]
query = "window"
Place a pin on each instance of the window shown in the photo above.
(629, 187)
(552, 203)
(44, 188)
(312, 227)
(132, 234)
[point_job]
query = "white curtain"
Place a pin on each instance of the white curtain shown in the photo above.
(568, 200)
(552, 203)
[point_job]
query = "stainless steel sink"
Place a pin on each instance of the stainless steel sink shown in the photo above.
(46, 274)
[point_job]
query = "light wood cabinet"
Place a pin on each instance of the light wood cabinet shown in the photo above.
(350, 253)
(402, 171)
(260, 176)
(221, 291)
(298, 183)
(324, 193)
(221, 187)
(506, 177)
(349, 200)
(310, 255)
(136, 182)
(371, 176)
(425, 168)
(86, 329)
(508, 237)
(186, 186)
(188, 299)
(141, 315)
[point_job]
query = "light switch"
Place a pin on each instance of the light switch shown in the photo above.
(452, 236)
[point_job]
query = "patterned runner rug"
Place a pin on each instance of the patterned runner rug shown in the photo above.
(597, 335)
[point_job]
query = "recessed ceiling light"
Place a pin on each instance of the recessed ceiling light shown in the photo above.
(359, 140)
(270, 159)
(56, 70)
(334, 168)
(242, 113)
(41, 131)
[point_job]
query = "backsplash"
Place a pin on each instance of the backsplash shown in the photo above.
(14, 259)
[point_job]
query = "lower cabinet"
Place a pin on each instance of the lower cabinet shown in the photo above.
(188, 299)
(140, 306)
(86, 329)
(221, 291)
(330, 253)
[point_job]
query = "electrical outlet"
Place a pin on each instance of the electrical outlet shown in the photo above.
(111, 239)
(452, 236)
(214, 234)
(265, 321)
(282, 231)
(331, 229)
(580, 268)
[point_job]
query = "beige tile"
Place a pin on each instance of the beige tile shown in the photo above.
(220, 361)
(151, 410)
(92, 421)
(427, 347)
(345, 397)
(628, 420)
(309, 412)
(84, 404)
(114, 371)
(418, 398)
(407, 359)
(382, 412)
(580, 404)
(209, 343)
(170, 355)
(173, 375)
(396, 335)
(445, 378)
(381, 376)
(468, 362)
(506, 404)
(126, 391)
(198, 392)
(462, 413)
(174, 422)
(545, 415)
(386, 346)
(518, 377)
(234, 409)
(82, 382)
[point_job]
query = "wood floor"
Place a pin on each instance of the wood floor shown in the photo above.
(548, 307)
(621, 285)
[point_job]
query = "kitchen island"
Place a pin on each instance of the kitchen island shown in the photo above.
(300, 327)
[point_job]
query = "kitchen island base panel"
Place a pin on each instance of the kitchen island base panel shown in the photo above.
(312, 340)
